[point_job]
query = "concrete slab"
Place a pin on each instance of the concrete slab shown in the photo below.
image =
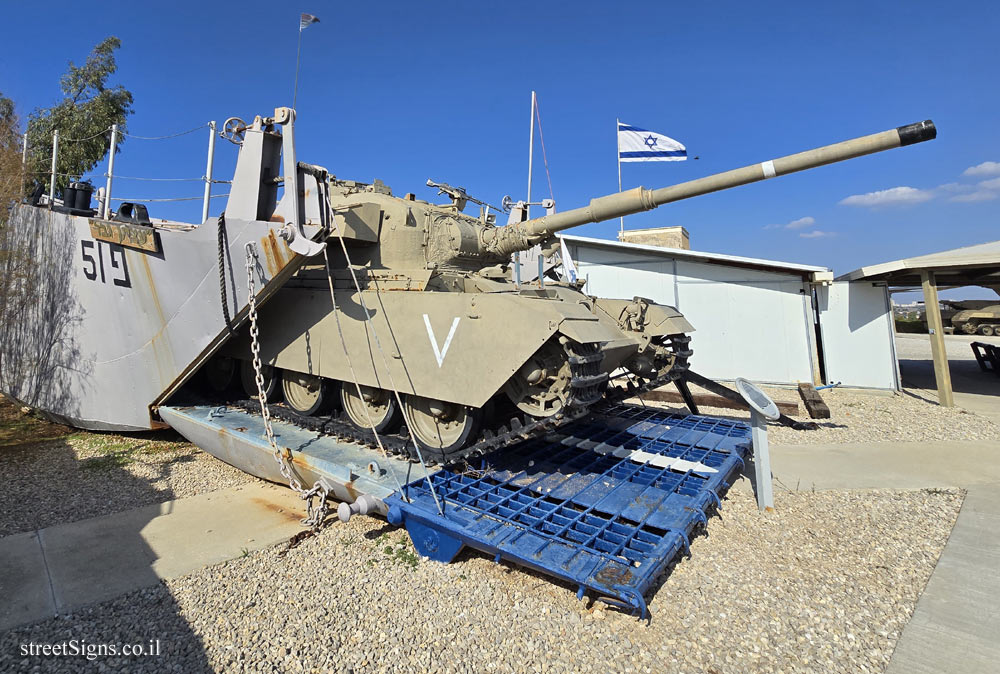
(955, 625)
(63, 567)
(883, 465)
(25, 593)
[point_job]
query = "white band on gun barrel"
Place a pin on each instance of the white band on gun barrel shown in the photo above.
(768, 168)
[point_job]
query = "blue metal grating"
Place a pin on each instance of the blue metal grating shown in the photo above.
(580, 504)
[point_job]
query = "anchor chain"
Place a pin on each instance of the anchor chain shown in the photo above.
(315, 514)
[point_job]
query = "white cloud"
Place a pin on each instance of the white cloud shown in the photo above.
(981, 195)
(807, 221)
(954, 187)
(993, 184)
(894, 196)
(987, 168)
(817, 234)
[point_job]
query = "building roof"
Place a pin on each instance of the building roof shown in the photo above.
(813, 272)
(972, 265)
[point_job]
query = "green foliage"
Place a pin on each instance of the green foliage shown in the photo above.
(87, 111)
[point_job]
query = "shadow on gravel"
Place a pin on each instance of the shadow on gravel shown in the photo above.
(85, 588)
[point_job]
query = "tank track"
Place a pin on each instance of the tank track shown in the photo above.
(589, 389)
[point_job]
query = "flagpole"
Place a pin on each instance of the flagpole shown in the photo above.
(298, 54)
(618, 142)
(531, 152)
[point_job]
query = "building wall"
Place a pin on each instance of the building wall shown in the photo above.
(748, 323)
(665, 237)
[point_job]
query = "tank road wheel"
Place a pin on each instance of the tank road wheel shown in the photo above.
(541, 386)
(440, 427)
(987, 330)
(969, 328)
(305, 393)
(272, 381)
(381, 404)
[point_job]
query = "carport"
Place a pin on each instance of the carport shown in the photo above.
(971, 266)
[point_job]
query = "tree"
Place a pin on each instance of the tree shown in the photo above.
(83, 118)
(10, 156)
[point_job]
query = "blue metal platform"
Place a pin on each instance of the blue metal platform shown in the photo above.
(605, 503)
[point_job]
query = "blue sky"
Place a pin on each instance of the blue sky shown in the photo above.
(406, 91)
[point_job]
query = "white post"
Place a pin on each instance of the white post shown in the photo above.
(24, 161)
(618, 156)
(531, 151)
(52, 177)
(761, 461)
(111, 172)
(208, 170)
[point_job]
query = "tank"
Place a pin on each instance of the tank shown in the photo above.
(371, 309)
(461, 342)
(982, 320)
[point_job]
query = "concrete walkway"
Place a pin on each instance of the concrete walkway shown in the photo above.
(883, 465)
(60, 568)
(956, 625)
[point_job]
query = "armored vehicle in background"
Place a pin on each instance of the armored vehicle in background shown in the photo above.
(983, 319)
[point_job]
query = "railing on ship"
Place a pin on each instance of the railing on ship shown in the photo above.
(104, 195)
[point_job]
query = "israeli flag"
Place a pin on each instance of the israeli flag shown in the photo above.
(635, 144)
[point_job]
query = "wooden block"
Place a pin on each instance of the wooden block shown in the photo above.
(709, 400)
(814, 403)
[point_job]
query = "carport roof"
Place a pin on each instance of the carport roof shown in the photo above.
(972, 265)
(807, 270)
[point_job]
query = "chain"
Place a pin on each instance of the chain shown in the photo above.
(315, 514)
(222, 270)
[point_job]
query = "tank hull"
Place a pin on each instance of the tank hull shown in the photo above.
(433, 339)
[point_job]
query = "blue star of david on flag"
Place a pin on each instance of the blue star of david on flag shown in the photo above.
(635, 144)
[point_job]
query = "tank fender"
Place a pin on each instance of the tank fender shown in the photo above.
(645, 316)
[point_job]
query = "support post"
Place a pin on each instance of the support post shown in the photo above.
(761, 461)
(208, 171)
(942, 375)
(52, 176)
(111, 172)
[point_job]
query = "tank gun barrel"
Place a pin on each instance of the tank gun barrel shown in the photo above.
(523, 235)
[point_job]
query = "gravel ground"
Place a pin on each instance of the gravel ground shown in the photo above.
(824, 584)
(52, 474)
(910, 416)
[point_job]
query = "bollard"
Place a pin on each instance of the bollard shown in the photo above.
(762, 410)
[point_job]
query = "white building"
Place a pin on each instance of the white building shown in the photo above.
(771, 322)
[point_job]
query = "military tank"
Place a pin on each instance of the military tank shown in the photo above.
(410, 313)
(983, 319)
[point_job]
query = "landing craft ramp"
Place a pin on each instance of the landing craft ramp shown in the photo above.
(604, 503)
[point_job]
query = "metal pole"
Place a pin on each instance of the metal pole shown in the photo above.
(531, 151)
(111, 171)
(298, 54)
(24, 162)
(942, 374)
(52, 177)
(761, 461)
(541, 267)
(618, 155)
(208, 170)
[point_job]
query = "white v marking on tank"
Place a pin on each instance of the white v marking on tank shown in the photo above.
(440, 353)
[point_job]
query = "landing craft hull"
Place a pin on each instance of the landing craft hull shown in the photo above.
(98, 331)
